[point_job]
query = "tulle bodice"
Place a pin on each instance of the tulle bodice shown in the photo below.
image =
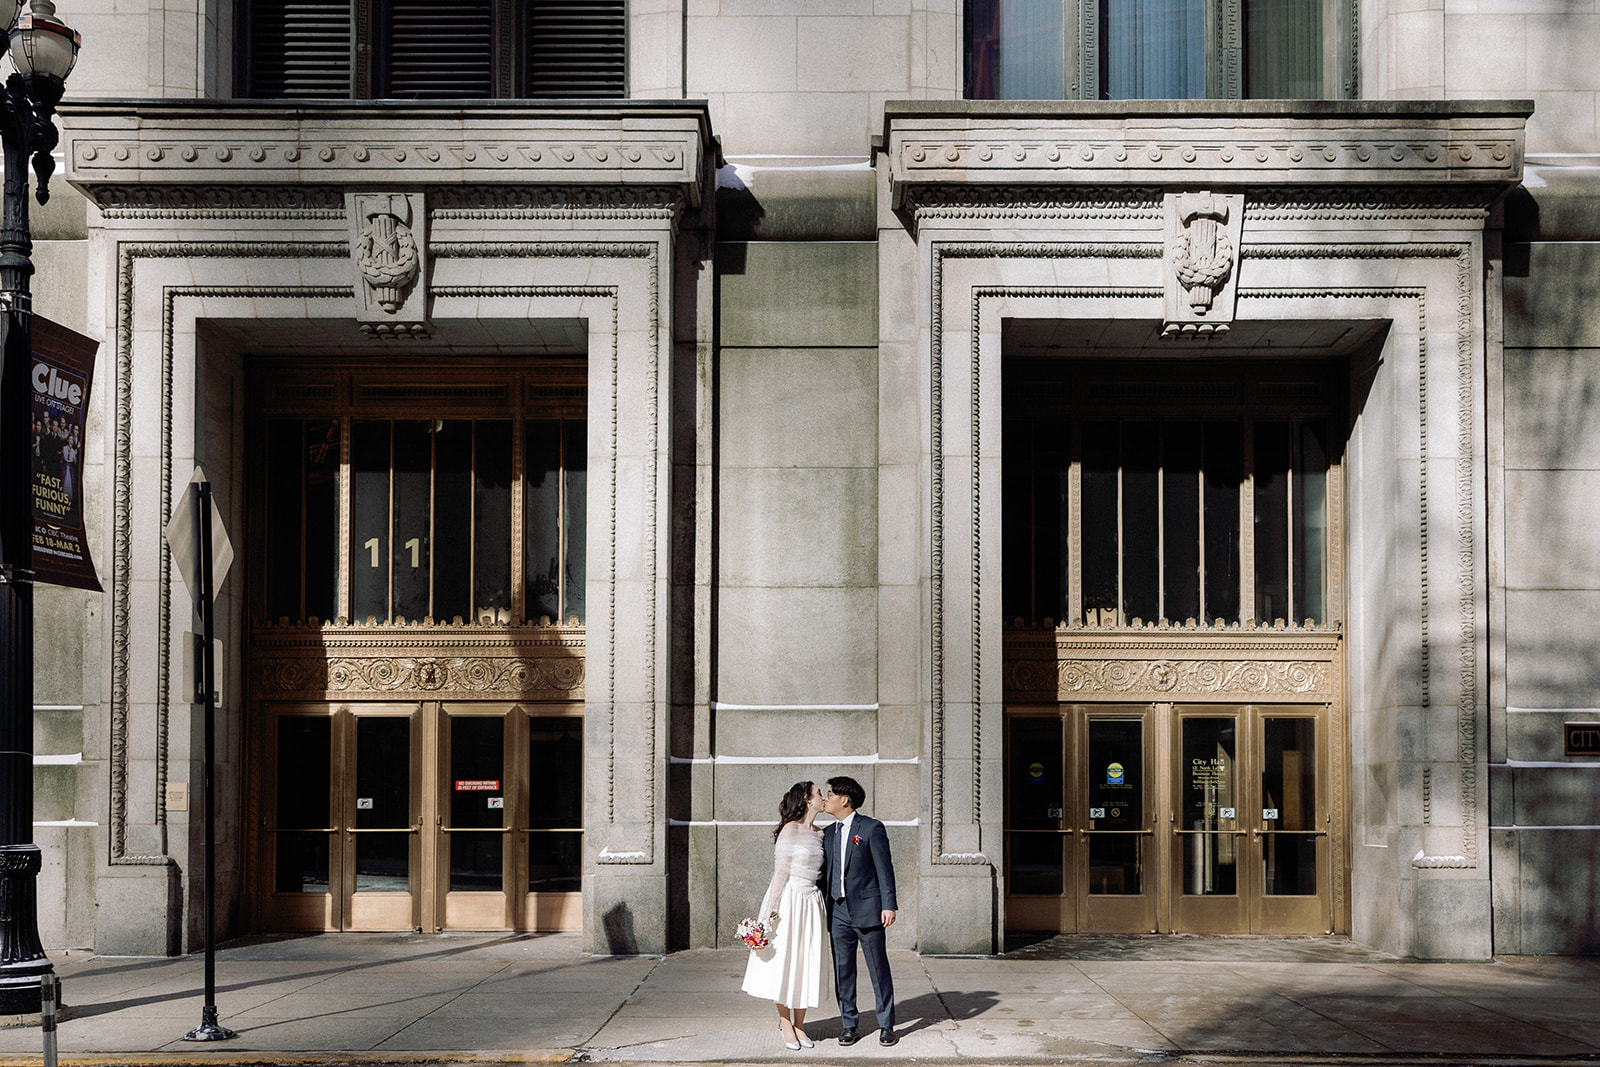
(796, 860)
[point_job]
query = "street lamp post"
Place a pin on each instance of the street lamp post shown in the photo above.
(43, 50)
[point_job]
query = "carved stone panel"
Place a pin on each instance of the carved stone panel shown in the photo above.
(1200, 262)
(389, 248)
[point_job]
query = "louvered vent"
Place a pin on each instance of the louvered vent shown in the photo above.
(302, 392)
(577, 48)
(439, 50)
(430, 392)
(1151, 391)
(299, 49)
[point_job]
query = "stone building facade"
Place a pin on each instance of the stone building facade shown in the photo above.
(1171, 510)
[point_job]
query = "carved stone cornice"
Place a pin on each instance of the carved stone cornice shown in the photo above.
(219, 201)
(1212, 143)
(173, 143)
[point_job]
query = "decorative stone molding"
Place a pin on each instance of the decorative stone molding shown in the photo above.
(928, 202)
(555, 202)
(1202, 143)
(641, 808)
(389, 259)
(154, 143)
(1200, 263)
(219, 201)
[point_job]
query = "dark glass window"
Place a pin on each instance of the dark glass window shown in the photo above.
(1114, 517)
(1158, 49)
(431, 521)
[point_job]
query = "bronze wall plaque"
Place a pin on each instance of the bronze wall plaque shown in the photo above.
(1581, 738)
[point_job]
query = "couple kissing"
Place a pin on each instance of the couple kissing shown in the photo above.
(830, 887)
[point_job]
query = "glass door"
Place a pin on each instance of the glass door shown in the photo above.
(1294, 852)
(1250, 847)
(1116, 888)
(341, 843)
(1037, 840)
(1209, 821)
(1079, 820)
(472, 843)
(1232, 837)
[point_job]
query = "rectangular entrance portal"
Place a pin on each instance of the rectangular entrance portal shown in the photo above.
(1150, 818)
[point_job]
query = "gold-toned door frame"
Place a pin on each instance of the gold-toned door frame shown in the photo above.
(1164, 907)
(342, 907)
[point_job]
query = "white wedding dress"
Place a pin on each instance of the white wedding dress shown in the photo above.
(792, 970)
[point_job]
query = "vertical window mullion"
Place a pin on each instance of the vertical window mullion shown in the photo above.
(1074, 524)
(1247, 519)
(389, 537)
(1122, 533)
(433, 498)
(1200, 524)
(1288, 518)
(472, 522)
(561, 523)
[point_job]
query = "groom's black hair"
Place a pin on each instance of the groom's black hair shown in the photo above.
(851, 788)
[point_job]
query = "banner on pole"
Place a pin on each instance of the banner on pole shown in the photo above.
(60, 373)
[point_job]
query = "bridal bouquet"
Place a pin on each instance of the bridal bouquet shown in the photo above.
(757, 935)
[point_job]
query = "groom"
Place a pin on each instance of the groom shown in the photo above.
(858, 883)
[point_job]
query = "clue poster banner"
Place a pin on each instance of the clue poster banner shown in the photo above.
(60, 373)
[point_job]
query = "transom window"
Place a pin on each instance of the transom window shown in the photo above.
(416, 50)
(1159, 49)
(1167, 496)
(470, 515)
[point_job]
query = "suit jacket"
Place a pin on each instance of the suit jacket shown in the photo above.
(868, 871)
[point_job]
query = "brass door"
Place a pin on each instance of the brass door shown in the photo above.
(1080, 810)
(510, 817)
(1249, 848)
(1144, 818)
(476, 868)
(341, 843)
(453, 815)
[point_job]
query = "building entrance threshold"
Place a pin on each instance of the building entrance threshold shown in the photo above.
(1228, 948)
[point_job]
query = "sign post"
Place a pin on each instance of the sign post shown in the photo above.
(203, 560)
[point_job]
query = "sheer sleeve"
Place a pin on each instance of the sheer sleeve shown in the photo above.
(782, 859)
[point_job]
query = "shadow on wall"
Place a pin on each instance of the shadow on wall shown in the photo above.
(620, 940)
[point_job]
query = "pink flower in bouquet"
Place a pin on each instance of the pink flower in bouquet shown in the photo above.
(757, 935)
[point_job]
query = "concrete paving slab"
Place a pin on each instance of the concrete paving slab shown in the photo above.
(1280, 1039)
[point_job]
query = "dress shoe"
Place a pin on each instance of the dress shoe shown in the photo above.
(849, 1035)
(887, 1037)
(805, 1042)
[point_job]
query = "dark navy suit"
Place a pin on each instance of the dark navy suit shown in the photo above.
(858, 918)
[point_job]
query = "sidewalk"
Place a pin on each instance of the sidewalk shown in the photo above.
(403, 998)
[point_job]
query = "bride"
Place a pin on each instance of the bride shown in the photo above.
(789, 970)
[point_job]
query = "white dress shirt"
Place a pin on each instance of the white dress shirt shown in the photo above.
(844, 843)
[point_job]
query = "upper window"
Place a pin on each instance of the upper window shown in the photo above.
(438, 50)
(1159, 49)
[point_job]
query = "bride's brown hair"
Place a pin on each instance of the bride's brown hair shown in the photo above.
(792, 808)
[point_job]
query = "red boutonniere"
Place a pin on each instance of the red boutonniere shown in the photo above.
(856, 840)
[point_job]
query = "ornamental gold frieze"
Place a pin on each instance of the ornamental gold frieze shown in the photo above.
(422, 676)
(1245, 663)
(1208, 679)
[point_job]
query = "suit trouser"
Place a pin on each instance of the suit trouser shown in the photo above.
(846, 935)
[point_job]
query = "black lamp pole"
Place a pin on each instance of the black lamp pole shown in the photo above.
(29, 136)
